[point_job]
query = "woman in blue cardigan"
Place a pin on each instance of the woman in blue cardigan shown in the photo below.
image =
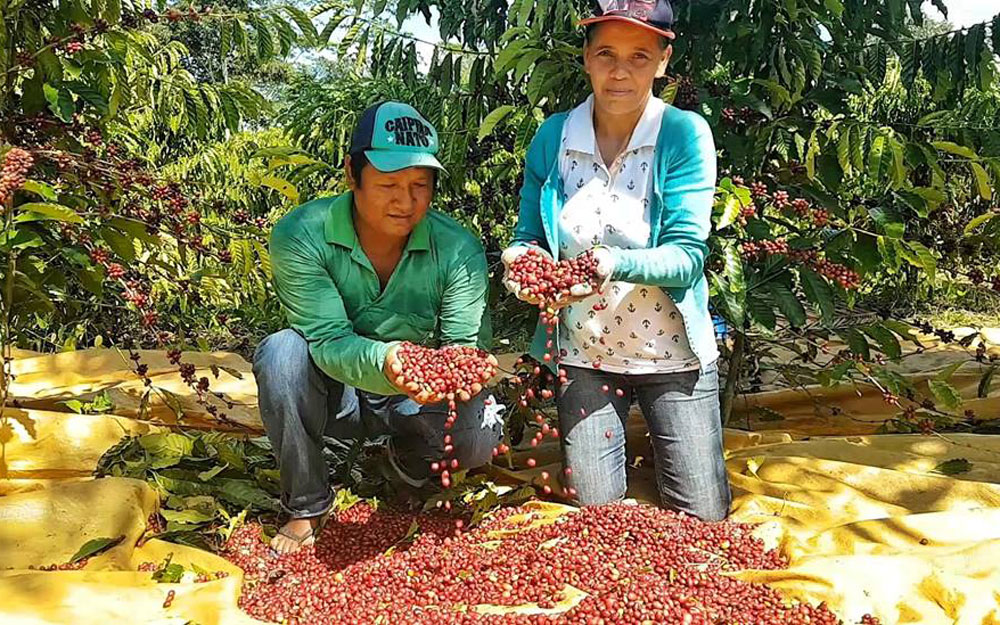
(630, 178)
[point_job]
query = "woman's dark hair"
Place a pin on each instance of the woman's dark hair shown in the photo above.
(590, 29)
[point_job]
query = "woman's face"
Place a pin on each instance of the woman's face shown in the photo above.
(622, 61)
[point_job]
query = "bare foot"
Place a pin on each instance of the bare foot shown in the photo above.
(295, 534)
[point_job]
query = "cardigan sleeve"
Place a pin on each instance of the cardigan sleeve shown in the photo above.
(687, 189)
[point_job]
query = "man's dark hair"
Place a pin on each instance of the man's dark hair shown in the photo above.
(590, 29)
(358, 162)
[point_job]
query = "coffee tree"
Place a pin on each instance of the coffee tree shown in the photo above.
(103, 235)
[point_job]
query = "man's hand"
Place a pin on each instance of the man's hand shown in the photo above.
(394, 371)
(508, 257)
(476, 386)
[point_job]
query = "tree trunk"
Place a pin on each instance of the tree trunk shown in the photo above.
(733, 376)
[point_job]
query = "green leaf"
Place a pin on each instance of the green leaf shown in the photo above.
(505, 59)
(945, 393)
(788, 304)
(490, 121)
(119, 243)
(875, 157)
(835, 6)
(762, 311)
(954, 148)
(859, 136)
(244, 493)
(985, 382)
(167, 444)
(898, 172)
(924, 258)
(982, 181)
(304, 23)
(934, 197)
(886, 340)
(205, 476)
(88, 94)
(170, 574)
(844, 151)
(92, 279)
(187, 516)
(264, 256)
(60, 102)
(732, 305)
(75, 405)
(524, 12)
(57, 212)
(113, 11)
(730, 211)
(526, 62)
(265, 39)
(282, 186)
(945, 374)
(40, 188)
(135, 228)
(20, 238)
(980, 220)
(857, 342)
(95, 546)
(955, 466)
(866, 252)
(829, 377)
(818, 292)
(733, 269)
(904, 330)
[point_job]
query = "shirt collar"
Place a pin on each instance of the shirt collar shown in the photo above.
(340, 226)
(580, 137)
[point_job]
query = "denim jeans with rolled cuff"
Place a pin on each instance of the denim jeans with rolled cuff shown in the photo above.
(685, 431)
(304, 410)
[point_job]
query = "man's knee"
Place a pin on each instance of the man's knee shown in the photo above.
(284, 352)
(481, 433)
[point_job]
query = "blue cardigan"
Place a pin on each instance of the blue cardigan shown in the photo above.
(680, 214)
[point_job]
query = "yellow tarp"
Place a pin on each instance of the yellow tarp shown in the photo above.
(868, 525)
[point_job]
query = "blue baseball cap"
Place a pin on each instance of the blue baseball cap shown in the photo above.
(394, 136)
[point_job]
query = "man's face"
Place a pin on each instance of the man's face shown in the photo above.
(393, 203)
(622, 61)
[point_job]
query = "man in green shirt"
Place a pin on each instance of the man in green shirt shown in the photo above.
(357, 274)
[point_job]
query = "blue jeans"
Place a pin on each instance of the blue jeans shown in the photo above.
(302, 409)
(685, 430)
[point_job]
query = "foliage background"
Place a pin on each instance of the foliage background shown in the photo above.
(168, 138)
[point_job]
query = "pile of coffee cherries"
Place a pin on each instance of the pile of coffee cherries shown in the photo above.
(452, 373)
(544, 279)
(446, 372)
(621, 563)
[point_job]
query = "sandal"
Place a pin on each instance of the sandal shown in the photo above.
(308, 537)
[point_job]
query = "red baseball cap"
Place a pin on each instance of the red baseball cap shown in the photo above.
(654, 15)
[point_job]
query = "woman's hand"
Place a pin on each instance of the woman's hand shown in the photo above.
(605, 267)
(507, 258)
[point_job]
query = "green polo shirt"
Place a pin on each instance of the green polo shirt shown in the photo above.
(332, 296)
